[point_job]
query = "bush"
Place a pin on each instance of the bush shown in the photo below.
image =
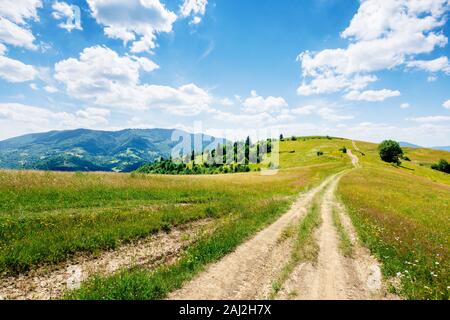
(390, 151)
(343, 149)
(442, 165)
(319, 153)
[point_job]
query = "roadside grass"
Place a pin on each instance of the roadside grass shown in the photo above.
(305, 247)
(405, 220)
(303, 151)
(143, 284)
(345, 244)
(156, 284)
(47, 217)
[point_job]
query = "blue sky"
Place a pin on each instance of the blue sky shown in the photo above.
(366, 69)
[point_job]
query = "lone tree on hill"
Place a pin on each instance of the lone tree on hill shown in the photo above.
(390, 151)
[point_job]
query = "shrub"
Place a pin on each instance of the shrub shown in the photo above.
(442, 165)
(390, 151)
(343, 149)
(319, 153)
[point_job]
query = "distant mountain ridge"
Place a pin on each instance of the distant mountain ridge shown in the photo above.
(92, 150)
(443, 148)
(411, 145)
(408, 145)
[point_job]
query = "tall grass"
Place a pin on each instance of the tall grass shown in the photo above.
(405, 220)
(46, 217)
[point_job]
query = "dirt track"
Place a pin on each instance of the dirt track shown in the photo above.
(247, 273)
(50, 282)
(250, 271)
(335, 276)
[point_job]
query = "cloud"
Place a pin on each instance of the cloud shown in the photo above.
(195, 8)
(371, 95)
(430, 119)
(14, 15)
(127, 20)
(405, 106)
(63, 10)
(18, 11)
(330, 114)
(440, 64)
(21, 118)
(305, 110)
(33, 86)
(13, 70)
(102, 77)
(13, 34)
(256, 103)
(50, 89)
(446, 104)
(382, 36)
(14, 31)
(227, 102)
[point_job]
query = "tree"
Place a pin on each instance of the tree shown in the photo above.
(281, 137)
(247, 150)
(390, 151)
(193, 155)
(258, 154)
(442, 165)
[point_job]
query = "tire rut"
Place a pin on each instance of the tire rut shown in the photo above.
(50, 282)
(248, 272)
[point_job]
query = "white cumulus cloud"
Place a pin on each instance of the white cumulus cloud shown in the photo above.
(13, 70)
(14, 17)
(256, 103)
(440, 64)
(195, 8)
(371, 95)
(382, 35)
(102, 76)
(132, 19)
(446, 104)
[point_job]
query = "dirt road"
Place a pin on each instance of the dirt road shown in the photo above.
(250, 271)
(50, 282)
(355, 159)
(335, 276)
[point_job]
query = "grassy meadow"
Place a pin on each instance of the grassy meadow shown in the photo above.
(403, 215)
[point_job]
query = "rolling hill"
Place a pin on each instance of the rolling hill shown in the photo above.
(91, 150)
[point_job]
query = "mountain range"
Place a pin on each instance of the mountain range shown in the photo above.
(411, 145)
(93, 150)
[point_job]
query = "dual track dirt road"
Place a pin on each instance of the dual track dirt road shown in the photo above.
(247, 273)
(251, 270)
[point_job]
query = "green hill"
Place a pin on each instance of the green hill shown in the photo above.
(90, 150)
